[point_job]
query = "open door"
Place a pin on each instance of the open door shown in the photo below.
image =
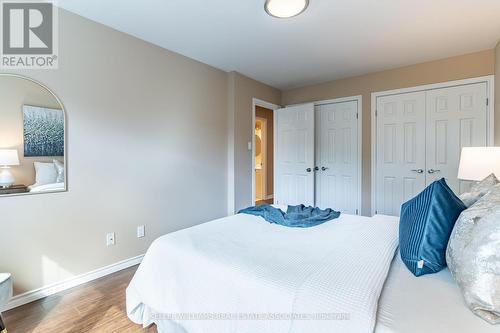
(294, 155)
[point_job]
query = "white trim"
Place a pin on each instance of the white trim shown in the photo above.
(75, 281)
(490, 82)
(270, 197)
(275, 151)
(359, 99)
(447, 84)
(270, 106)
(373, 153)
(230, 145)
(491, 109)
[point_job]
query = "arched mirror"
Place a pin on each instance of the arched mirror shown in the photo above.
(32, 138)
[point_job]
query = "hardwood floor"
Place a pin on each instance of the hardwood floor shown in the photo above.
(98, 306)
(263, 202)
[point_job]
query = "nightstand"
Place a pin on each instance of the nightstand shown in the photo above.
(14, 189)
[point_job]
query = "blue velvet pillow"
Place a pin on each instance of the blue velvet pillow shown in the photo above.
(425, 227)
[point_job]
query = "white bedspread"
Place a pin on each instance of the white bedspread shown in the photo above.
(244, 265)
(46, 187)
(430, 303)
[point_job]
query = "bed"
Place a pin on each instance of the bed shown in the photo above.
(203, 278)
(431, 303)
(46, 187)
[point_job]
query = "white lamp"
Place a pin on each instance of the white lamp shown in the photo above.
(8, 157)
(477, 163)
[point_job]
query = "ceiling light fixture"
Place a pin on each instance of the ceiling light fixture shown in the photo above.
(285, 8)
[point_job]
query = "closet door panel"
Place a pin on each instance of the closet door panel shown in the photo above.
(456, 118)
(337, 156)
(400, 150)
(295, 155)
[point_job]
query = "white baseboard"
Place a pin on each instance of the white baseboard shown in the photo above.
(57, 287)
(270, 197)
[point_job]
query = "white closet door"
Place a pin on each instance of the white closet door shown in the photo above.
(295, 155)
(337, 156)
(400, 154)
(456, 118)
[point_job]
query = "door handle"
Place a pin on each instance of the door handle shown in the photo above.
(324, 168)
(418, 170)
(308, 169)
(431, 171)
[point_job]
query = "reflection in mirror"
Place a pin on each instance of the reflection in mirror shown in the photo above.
(32, 138)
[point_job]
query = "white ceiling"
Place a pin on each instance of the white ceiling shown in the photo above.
(332, 39)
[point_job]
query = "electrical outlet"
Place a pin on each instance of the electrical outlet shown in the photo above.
(110, 239)
(140, 231)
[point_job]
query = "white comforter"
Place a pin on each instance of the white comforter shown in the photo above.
(46, 187)
(244, 266)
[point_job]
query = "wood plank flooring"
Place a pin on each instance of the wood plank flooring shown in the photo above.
(97, 306)
(263, 202)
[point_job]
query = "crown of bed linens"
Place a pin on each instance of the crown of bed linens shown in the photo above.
(298, 216)
(473, 256)
(425, 227)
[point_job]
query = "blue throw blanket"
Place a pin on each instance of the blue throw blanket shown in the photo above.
(295, 217)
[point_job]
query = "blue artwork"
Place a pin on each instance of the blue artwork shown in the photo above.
(43, 131)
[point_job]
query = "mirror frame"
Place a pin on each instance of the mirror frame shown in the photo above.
(65, 119)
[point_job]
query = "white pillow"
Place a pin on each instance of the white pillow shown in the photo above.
(46, 173)
(60, 171)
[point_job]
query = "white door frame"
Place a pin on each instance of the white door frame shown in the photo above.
(270, 106)
(359, 99)
(490, 82)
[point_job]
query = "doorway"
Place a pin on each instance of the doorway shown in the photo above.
(263, 153)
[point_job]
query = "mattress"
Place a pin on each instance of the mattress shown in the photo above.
(430, 303)
(243, 266)
(46, 187)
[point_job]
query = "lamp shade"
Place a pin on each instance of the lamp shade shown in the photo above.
(476, 163)
(8, 157)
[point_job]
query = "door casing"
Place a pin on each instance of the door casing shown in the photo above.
(270, 106)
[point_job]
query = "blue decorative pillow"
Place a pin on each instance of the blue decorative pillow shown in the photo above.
(425, 227)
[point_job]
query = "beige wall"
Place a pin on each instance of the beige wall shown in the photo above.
(466, 66)
(14, 93)
(497, 94)
(146, 146)
(242, 90)
(269, 116)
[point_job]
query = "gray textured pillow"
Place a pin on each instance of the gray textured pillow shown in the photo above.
(473, 256)
(60, 171)
(478, 190)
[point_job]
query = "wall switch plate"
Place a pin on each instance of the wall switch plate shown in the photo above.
(140, 231)
(249, 145)
(110, 239)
